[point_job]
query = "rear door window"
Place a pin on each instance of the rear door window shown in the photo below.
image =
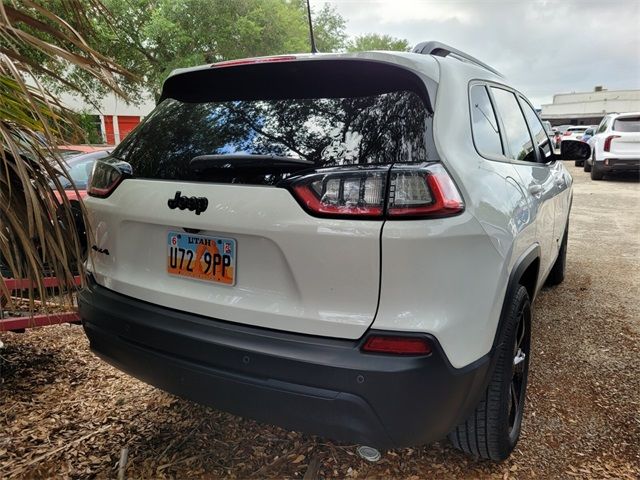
(540, 138)
(484, 125)
(517, 134)
(626, 124)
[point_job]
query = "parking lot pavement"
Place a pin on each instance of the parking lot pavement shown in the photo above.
(63, 412)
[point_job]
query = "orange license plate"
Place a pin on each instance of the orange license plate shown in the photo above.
(212, 259)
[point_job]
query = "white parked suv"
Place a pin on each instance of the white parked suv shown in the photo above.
(343, 244)
(615, 147)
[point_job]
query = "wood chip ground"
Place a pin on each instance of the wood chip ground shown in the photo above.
(66, 414)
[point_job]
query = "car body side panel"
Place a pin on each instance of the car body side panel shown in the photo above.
(448, 277)
(543, 205)
(564, 187)
(442, 277)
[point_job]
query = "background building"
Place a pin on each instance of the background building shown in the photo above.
(113, 117)
(589, 108)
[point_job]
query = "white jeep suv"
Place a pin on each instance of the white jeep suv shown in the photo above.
(615, 147)
(343, 244)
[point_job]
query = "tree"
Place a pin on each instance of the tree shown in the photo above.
(152, 37)
(38, 232)
(375, 41)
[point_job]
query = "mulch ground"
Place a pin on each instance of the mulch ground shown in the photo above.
(65, 413)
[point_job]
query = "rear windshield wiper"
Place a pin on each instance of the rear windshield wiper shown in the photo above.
(248, 162)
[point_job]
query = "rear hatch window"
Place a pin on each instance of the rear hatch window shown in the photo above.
(318, 113)
(627, 124)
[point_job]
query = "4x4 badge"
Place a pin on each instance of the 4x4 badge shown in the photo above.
(199, 204)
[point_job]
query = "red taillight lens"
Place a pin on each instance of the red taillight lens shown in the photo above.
(106, 177)
(607, 142)
(397, 345)
(350, 193)
(428, 192)
(412, 192)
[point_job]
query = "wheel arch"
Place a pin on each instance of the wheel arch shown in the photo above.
(526, 273)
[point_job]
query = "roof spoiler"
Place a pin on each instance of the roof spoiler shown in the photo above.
(439, 49)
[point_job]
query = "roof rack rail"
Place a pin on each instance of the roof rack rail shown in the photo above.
(442, 50)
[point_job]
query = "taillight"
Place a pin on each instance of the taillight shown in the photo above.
(607, 142)
(350, 193)
(397, 345)
(567, 133)
(399, 192)
(427, 192)
(106, 176)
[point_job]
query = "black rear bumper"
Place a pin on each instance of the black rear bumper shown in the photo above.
(317, 385)
(619, 165)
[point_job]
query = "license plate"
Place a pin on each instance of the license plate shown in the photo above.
(212, 259)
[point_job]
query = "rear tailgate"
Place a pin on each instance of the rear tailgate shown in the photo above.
(293, 272)
(625, 141)
(626, 144)
(290, 270)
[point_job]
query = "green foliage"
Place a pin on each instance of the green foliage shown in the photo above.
(86, 130)
(39, 233)
(152, 37)
(375, 41)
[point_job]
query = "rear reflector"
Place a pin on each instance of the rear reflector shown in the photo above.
(397, 345)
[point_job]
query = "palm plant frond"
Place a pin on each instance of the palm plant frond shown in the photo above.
(38, 234)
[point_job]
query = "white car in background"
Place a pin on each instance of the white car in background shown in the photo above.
(574, 133)
(615, 145)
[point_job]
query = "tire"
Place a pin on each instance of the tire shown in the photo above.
(579, 163)
(596, 174)
(587, 166)
(556, 275)
(493, 429)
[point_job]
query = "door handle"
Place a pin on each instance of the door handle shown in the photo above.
(535, 190)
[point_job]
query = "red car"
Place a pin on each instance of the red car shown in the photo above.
(68, 151)
(79, 168)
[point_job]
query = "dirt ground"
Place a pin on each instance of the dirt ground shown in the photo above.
(65, 413)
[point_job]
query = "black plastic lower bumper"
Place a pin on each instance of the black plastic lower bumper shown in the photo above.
(313, 384)
(617, 165)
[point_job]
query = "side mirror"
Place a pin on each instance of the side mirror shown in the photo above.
(574, 150)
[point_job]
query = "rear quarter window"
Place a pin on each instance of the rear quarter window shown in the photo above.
(484, 125)
(603, 125)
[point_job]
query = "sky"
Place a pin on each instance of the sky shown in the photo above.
(542, 46)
